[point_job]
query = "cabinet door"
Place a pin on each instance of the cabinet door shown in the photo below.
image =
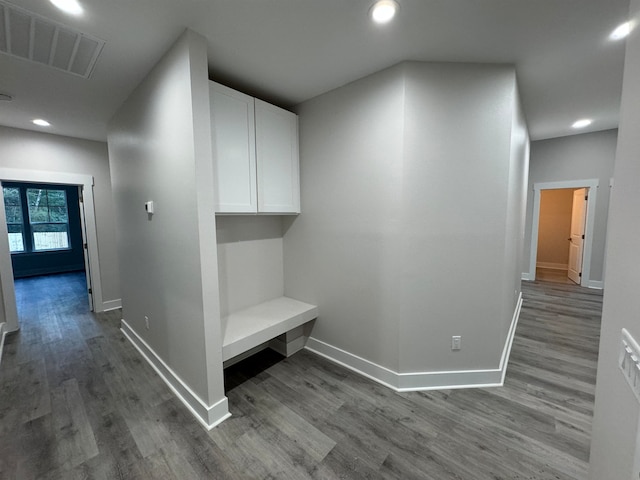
(277, 159)
(233, 143)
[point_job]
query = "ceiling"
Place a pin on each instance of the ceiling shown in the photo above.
(288, 51)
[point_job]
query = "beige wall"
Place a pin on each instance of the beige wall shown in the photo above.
(554, 228)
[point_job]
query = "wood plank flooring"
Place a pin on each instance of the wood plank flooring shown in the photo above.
(553, 275)
(77, 401)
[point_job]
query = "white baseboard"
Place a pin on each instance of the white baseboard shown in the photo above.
(406, 382)
(596, 284)
(208, 415)
(552, 266)
(506, 352)
(3, 334)
(527, 276)
(111, 305)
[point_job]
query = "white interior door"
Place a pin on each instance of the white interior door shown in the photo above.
(85, 249)
(576, 241)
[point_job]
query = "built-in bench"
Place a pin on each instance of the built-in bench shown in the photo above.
(277, 324)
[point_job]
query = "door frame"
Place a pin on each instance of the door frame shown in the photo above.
(592, 185)
(6, 270)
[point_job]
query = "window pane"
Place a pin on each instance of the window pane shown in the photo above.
(50, 236)
(38, 214)
(14, 214)
(11, 196)
(16, 239)
(57, 198)
(58, 214)
(47, 205)
(13, 209)
(36, 197)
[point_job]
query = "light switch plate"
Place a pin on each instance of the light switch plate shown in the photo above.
(629, 361)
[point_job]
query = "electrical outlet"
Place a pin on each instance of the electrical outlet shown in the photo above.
(456, 342)
(146, 322)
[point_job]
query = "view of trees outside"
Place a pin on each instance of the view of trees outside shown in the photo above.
(13, 209)
(48, 218)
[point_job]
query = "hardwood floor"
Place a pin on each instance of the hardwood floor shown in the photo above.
(77, 401)
(553, 276)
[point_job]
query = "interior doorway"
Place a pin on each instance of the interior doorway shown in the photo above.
(562, 230)
(46, 230)
(84, 184)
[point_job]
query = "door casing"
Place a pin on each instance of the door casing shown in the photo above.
(592, 185)
(6, 272)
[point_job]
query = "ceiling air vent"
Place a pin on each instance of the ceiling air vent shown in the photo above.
(32, 37)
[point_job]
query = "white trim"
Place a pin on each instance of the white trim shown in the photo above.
(9, 305)
(506, 352)
(360, 365)
(629, 361)
(6, 270)
(592, 185)
(526, 276)
(3, 334)
(109, 305)
(208, 415)
(596, 284)
(552, 266)
(406, 382)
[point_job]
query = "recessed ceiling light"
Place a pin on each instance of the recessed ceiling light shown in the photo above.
(621, 31)
(42, 123)
(72, 7)
(383, 11)
(585, 122)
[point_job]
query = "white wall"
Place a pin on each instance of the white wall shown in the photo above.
(160, 150)
(516, 210)
(615, 424)
(577, 157)
(341, 252)
(27, 150)
(408, 176)
(451, 234)
(250, 263)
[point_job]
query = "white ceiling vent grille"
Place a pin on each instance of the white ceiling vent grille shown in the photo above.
(32, 37)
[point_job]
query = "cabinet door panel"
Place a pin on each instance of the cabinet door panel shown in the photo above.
(233, 143)
(277, 159)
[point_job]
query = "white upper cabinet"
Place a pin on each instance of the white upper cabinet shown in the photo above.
(277, 159)
(255, 152)
(234, 155)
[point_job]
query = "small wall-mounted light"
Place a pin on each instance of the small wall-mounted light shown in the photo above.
(383, 11)
(41, 122)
